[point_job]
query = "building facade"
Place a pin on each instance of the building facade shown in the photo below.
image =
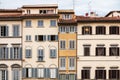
(67, 45)
(10, 45)
(42, 42)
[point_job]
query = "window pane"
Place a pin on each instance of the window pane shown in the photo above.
(114, 51)
(100, 51)
(28, 23)
(40, 23)
(100, 74)
(86, 51)
(100, 30)
(85, 74)
(114, 30)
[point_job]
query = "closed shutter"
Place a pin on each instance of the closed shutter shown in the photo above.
(6, 53)
(0, 53)
(44, 72)
(11, 53)
(33, 72)
(57, 73)
(6, 75)
(36, 37)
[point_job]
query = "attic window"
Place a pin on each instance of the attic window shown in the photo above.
(66, 16)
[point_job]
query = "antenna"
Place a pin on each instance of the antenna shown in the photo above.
(89, 6)
(73, 4)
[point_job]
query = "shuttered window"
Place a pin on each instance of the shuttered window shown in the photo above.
(3, 74)
(16, 30)
(62, 63)
(28, 53)
(85, 74)
(40, 54)
(40, 37)
(4, 54)
(4, 31)
(16, 74)
(53, 53)
(71, 63)
(100, 74)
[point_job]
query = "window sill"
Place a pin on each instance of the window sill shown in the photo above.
(54, 41)
(28, 27)
(28, 41)
(28, 57)
(53, 57)
(40, 26)
(40, 61)
(53, 26)
(10, 36)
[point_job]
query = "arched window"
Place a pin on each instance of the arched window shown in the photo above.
(41, 71)
(16, 71)
(3, 72)
(27, 71)
(28, 52)
(40, 53)
(53, 52)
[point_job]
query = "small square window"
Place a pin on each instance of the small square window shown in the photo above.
(53, 23)
(28, 23)
(40, 23)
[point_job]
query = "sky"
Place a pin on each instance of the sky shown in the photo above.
(101, 7)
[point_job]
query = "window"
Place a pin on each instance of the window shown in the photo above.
(16, 53)
(114, 30)
(40, 72)
(53, 53)
(28, 23)
(62, 77)
(40, 54)
(67, 16)
(16, 30)
(86, 30)
(40, 37)
(62, 44)
(27, 72)
(28, 37)
(100, 51)
(42, 11)
(85, 74)
(86, 50)
(72, 63)
(28, 11)
(100, 30)
(4, 31)
(62, 29)
(53, 73)
(114, 51)
(16, 74)
(100, 74)
(3, 74)
(52, 37)
(114, 74)
(72, 44)
(72, 77)
(62, 63)
(72, 29)
(28, 53)
(4, 52)
(53, 23)
(40, 23)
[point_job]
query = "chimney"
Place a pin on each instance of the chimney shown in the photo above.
(86, 14)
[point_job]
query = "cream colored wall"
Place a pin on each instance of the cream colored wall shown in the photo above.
(114, 14)
(46, 30)
(10, 25)
(9, 41)
(93, 40)
(36, 10)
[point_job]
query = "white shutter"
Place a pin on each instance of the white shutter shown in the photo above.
(40, 73)
(52, 73)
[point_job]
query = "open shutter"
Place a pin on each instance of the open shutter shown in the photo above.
(44, 72)
(7, 31)
(57, 73)
(0, 53)
(49, 37)
(56, 37)
(44, 37)
(24, 73)
(47, 72)
(6, 75)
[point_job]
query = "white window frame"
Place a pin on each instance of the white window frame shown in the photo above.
(40, 72)
(72, 44)
(53, 73)
(72, 62)
(28, 38)
(62, 63)
(62, 44)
